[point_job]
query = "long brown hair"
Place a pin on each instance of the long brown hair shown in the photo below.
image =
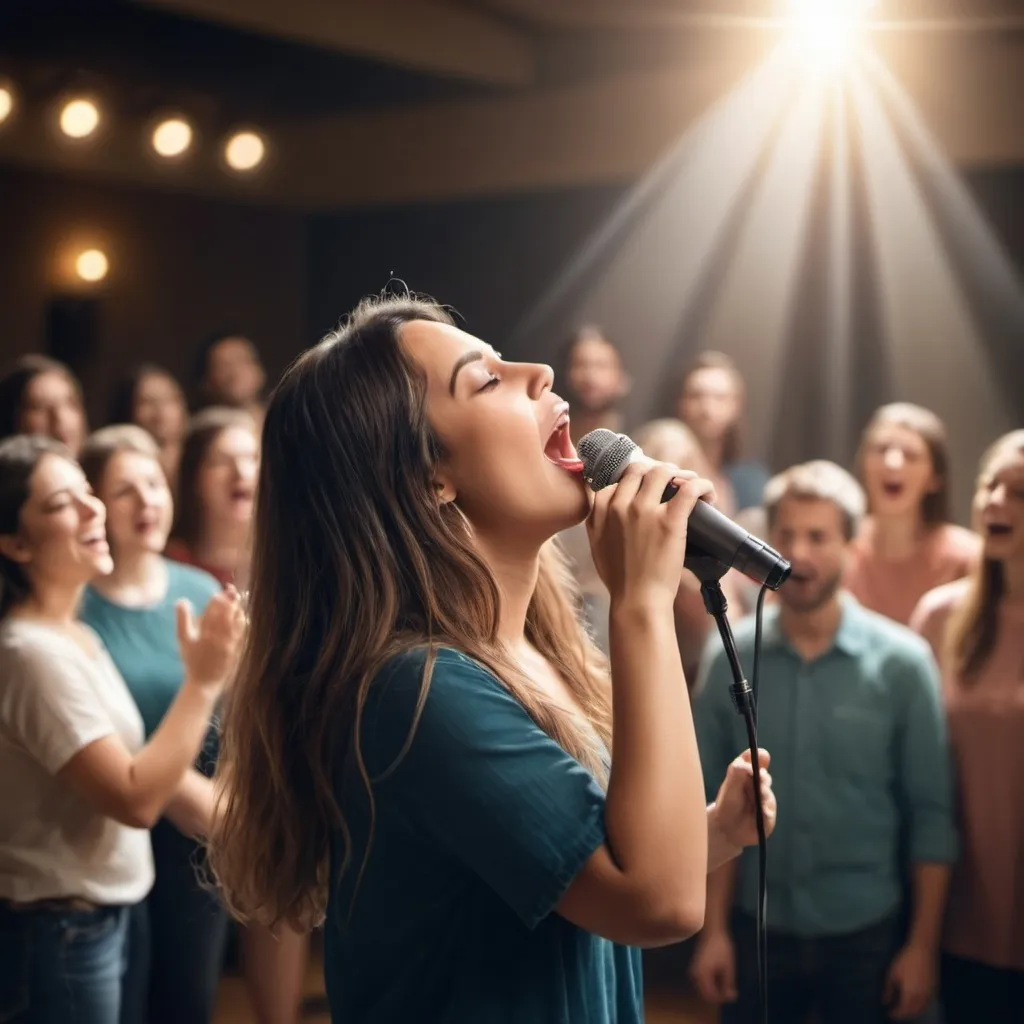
(732, 443)
(205, 427)
(974, 624)
(354, 561)
(923, 422)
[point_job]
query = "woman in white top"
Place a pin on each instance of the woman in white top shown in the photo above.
(81, 789)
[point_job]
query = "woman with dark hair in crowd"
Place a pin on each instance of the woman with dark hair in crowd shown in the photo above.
(906, 544)
(711, 403)
(421, 745)
(179, 932)
(151, 398)
(42, 396)
(976, 628)
(216, 487)
(81, 784)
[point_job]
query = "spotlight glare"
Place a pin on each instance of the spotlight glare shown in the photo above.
(79, 118)
(244, 151)
(92, 265)
(6, 102)
(172, 137)
(828, 31)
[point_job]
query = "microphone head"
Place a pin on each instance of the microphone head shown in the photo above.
(604, 455)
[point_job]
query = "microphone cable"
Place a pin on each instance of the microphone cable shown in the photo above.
(744, 697)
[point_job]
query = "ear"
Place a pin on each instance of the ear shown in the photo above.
(15, 549)
(444, 489)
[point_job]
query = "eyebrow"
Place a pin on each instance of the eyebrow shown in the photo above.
(463, 360)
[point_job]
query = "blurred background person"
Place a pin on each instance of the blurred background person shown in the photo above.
(711, 403)
(669, 440)
(42, 396)
(151, 398)
(82, 786)
(216, 488)
(231, 373)
(906, 544)
(849, 704)
(595, 384)
(179, 933)
(976, 628)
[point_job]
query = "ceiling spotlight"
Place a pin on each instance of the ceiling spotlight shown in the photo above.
(244, 151)
(79, 118)
(172, 137)
(6, 102)
(828, 31)
(92, 265)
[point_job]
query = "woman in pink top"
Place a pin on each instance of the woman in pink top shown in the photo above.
(976, 627)
(906, 544)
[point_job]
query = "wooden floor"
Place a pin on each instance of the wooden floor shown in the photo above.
(668, 1001)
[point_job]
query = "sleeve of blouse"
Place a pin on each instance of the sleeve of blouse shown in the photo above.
(49, 707)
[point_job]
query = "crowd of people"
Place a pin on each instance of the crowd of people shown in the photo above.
(891, 699)
(122, 557)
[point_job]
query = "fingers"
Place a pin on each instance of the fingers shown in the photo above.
(763, 757)
(691, 490)
(185, 621)
(657, 479)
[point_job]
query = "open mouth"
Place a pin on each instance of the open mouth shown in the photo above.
(96, 542)
(560, 450)
(998, 529)
(892, 488)
(240, 494)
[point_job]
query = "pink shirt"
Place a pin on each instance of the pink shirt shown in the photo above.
(893, 588)
(985, 912)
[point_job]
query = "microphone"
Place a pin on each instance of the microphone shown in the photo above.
(605, 456)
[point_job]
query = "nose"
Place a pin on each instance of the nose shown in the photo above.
(997, 496)
(893, 458)
(92, 508)
(540, 378)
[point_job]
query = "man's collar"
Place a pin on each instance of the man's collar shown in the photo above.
(850, 638)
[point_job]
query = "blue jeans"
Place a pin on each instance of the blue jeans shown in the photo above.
(178, 937)
(62, 966)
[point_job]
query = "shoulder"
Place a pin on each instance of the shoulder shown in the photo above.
(898, 655)
(188, 581)
(29, 649)
(936, 605)
(932, 613)
(958, 543)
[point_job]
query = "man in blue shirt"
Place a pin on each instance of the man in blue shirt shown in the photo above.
(850, 706)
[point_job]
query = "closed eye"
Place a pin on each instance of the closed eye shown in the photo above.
(491, 384)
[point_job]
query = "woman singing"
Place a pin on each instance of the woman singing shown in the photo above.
(976, 627)
(907, 544)
(421, 740)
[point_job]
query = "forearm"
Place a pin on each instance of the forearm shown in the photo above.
(157, 769)
(720, 849)
(930, 884)
(655, 815)
(193, 807)
(721, 887)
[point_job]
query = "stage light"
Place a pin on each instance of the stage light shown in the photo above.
(828, 31)
(79, 118)
(6, 102)
(244, 151)
(172, 137)
(92, 265)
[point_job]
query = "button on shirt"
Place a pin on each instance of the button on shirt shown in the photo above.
(860, 766)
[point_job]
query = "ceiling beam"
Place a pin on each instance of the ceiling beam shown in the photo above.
(429, 36)
(606, 130)
(613, 129)
(904, 15)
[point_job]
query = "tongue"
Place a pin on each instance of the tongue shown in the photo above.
(561, 452)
